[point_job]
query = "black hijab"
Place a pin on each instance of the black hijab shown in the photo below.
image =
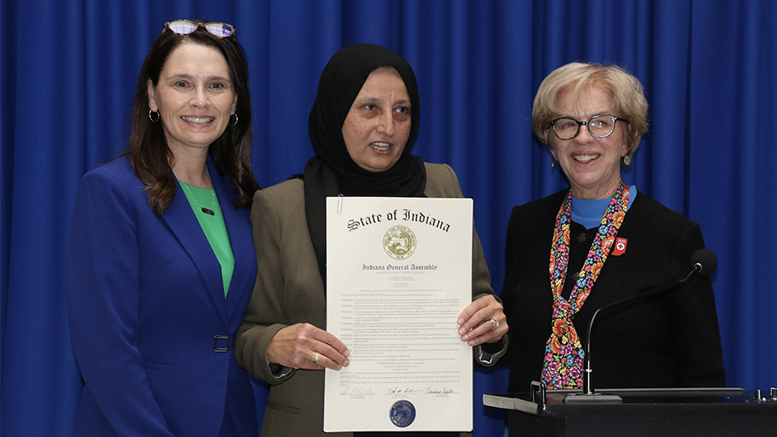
(331, 171)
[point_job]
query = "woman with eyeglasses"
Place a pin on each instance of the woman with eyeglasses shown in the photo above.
(598, 242)
(160, 264)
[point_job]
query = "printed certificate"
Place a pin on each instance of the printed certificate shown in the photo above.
(399, 272)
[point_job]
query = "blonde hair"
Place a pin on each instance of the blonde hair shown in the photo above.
(625, 91)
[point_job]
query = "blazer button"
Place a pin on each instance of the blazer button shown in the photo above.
(220, 343)
(581, 237)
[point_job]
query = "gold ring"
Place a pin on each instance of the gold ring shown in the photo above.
(315, 359)
(494, 323)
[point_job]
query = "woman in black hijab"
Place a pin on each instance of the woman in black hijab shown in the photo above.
(362, 126)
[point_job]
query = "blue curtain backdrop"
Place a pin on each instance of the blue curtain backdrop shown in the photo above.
(68, 72)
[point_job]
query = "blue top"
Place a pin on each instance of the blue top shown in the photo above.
(589, 213)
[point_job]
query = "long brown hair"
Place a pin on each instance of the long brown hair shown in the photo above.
(147, 147)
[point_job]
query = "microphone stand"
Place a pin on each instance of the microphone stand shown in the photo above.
(588, 394)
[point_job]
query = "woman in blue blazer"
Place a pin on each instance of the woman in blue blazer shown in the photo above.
(160, 258)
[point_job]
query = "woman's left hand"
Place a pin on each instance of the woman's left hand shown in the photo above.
(483, 321)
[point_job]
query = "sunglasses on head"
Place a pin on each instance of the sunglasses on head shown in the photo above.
(185, 27)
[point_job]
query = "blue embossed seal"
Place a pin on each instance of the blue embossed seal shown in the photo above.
(402, 413)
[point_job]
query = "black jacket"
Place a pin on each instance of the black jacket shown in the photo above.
(670, 340)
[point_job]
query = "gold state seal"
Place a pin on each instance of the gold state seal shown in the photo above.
(399, 242)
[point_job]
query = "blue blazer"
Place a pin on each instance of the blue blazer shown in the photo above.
(152, 332)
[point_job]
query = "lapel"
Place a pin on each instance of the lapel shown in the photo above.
(183, 223)
(238, 227)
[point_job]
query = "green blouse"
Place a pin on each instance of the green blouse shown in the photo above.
(213, 226)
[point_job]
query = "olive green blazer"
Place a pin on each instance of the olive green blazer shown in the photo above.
(290, 290)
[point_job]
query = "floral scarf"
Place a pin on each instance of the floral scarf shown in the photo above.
(563, 366)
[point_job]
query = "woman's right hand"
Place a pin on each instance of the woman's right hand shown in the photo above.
(303, 346)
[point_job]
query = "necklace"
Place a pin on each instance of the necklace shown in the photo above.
(212, 197)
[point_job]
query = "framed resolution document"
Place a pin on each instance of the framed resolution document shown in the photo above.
(399, 273)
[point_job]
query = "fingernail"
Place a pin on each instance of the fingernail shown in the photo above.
(346, 363)
(461, 321)
(347, 353)
(464, 337)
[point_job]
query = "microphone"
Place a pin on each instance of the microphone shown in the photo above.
(703, 263)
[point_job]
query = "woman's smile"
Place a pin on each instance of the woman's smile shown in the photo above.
(198, 120)
(380, 147)
(585, 158)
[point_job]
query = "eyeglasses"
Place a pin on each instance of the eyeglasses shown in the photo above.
(600, 126)
(185, 27)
